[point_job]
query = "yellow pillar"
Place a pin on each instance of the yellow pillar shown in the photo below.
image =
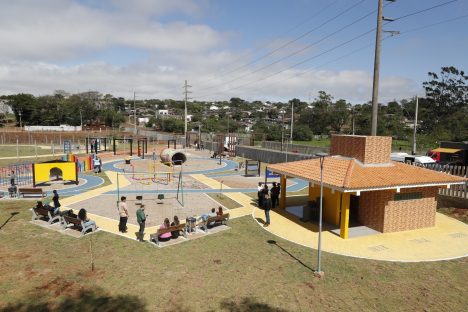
(344, 224)
(282, 201)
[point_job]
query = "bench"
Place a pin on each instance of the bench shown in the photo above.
(69, 222)
(38, 213)
(214, 220)
(180, 227)
(31, 192)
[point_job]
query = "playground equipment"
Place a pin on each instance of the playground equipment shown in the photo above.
(142, 147)
(23, 172)
(162, 177)
(46, 171)
(176, 157)
(147, 183)
(125, 140)
(95, 144)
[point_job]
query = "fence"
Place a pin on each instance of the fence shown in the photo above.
(23, 173)
(460, 190)
(294, 148)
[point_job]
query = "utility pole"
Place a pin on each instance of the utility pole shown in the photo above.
(415, 126)
(81, 119)
(134, 113)
(378, 45)
(21, 123)
(375, 85)
(186, 92)
(292, 122)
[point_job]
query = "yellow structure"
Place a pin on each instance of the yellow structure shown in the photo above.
(44, 172)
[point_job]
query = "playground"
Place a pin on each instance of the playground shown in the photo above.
(254, 257)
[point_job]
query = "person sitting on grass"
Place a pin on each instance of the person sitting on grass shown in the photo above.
(176, 222)
(83, 216)
(165, 236)
(220, 211)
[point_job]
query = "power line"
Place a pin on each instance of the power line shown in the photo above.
(330, 50)
(295, 52)
(425, 10)
(288, 43)
(369, 45)
(272, 39)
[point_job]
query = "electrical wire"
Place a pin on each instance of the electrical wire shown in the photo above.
(329, 50)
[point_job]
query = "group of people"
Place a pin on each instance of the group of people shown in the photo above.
(141, 219)
(140, 215)
(54, 208)
(268, 199)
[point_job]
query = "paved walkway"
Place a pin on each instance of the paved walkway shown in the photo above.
(447, 240)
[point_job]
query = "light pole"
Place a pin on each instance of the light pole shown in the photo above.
(319, 272)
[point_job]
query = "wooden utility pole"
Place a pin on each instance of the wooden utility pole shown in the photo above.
(375, 85)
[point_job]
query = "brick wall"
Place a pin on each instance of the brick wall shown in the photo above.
(379, 211)
(367, 149)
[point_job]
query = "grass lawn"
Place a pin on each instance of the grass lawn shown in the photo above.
(242, 269)
(10, 150)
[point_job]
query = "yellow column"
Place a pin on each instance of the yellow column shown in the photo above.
(282, 201)
(344, 224)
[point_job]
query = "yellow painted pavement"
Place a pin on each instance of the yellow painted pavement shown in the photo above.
(447, 240)
(104, 223)
(244, 200)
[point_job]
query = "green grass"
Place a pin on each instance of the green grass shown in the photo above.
(10, 150)
(242, 269)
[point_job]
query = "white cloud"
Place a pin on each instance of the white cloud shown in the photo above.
(38, 37)
(151, 80)
(52, 30)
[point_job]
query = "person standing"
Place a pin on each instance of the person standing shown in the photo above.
(275, 192)
(260, 194)
(123, 212)
(141, 219)
(13, 178)
(56, 201)
(267, 208)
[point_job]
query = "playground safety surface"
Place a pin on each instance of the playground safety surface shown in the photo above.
(447, 240)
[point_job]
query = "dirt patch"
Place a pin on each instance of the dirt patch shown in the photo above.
(59, 287)
(460, 214)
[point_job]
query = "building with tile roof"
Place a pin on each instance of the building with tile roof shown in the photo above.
(362, 183)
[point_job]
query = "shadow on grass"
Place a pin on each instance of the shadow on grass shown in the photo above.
(273, 242)
(85, 300)
(246, 305)
(9, 218)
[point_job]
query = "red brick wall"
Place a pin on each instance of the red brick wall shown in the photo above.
(367, 149)
(379, 211)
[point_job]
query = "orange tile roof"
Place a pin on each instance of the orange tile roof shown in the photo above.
(348, 174)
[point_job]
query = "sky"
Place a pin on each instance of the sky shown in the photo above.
(267, 50)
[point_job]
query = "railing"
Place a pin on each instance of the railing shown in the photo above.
(460, 190)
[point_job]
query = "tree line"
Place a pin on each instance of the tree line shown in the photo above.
(442, 113)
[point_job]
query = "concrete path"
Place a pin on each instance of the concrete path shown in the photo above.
(447, 240)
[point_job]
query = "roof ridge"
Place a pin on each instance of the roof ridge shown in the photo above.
(349, 171)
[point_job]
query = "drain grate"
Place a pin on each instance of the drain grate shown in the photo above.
(378, 248)
(419, 240)
(458, 235)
